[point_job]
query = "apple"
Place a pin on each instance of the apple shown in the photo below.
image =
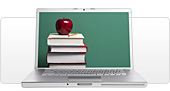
(64, 26)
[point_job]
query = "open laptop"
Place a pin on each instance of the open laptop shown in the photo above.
(108, 61)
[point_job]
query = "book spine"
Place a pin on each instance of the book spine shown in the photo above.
(69, 52)
(84, 45)
(70, 63)
(67, 46)
(65, 63)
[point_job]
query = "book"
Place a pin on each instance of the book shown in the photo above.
(56, 39)
(68, 66)
(68, 49)
(65, 57)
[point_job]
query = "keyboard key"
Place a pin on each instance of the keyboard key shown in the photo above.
(112, 74)
(99, 74)
(56, 74)
(62, 74)
(51, 74)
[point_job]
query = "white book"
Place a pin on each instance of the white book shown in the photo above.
(55, 39)
(65, 58)
(69, 49)
(67, 66)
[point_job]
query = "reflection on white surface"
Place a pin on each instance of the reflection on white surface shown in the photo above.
(151, 48)
(17, 48)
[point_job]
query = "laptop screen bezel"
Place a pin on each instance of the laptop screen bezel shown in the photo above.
(85, 10)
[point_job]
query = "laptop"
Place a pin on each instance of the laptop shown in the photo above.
(105, 61)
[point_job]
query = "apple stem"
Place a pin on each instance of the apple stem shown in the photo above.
(63, 17)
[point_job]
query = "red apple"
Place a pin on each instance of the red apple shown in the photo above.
(64, 26)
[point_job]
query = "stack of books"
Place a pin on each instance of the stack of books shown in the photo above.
(66, 51)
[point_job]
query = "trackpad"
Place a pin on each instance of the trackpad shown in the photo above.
(84, 78)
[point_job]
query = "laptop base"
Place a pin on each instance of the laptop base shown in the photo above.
(35, 79)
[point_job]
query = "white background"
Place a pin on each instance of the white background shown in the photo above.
(143, 8)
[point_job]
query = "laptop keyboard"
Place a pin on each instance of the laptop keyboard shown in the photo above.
(83, 72)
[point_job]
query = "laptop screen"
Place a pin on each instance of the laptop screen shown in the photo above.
(106, 36)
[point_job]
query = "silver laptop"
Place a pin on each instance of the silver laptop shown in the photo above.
(105, 61)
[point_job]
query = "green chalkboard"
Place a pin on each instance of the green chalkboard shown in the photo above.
(106, 35)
